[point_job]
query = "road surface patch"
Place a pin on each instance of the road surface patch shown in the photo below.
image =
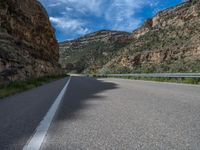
(37, 139)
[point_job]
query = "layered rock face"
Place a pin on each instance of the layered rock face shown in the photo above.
(168, 42)
(88, 54)
(28, 47)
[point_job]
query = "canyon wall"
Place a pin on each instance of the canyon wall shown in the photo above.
(28, 47)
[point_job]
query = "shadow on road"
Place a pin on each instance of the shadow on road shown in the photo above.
(80, 91)
(20, 114)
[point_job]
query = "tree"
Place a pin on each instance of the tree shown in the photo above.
(69, 66)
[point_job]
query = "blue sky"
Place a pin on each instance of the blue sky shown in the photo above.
(75, 18)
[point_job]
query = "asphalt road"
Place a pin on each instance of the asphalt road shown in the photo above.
(20, 114)
(106, 114)
(117, 114)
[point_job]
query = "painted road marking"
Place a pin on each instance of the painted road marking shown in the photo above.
(41, 131)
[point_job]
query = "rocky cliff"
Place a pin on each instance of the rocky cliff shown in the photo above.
(168, 42)
(89, 53)
(28, 47)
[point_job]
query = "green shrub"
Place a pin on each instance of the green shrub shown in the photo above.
(105, 70)
(19, 86)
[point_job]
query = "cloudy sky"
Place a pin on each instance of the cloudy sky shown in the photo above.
(75, 18)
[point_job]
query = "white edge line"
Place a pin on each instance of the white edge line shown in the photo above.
(37, 139)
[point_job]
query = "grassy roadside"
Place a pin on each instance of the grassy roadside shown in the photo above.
(20, 86)
(162, 79)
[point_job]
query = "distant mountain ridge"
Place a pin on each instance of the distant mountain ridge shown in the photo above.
(167, 42)
(91, 52)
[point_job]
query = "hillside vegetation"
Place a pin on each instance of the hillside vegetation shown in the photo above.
(168, 42)
(91, 52)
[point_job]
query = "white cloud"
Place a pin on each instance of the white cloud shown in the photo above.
(84, 6)
(63, 13)
(68, 25)
(54, 4)
(121, 14)
(68, 9)
(75, 17)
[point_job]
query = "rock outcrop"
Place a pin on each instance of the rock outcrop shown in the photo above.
(168, 42)
(28, 47)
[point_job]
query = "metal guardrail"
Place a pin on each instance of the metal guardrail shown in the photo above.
(157, 75)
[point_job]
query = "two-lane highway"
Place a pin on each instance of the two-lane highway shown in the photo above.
(104, 114)
(122, 114)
